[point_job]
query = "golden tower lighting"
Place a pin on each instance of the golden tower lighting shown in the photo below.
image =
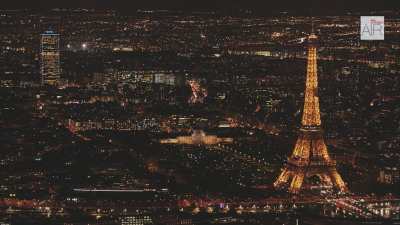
(310, 156)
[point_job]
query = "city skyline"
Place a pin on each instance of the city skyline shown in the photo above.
(170, 118)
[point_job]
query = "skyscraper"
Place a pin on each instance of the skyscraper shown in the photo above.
(310, 156)
(50, 58)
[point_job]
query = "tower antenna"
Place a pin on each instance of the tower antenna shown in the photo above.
(312, 17)
(312, 25)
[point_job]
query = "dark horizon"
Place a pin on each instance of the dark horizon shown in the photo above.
(303, 7)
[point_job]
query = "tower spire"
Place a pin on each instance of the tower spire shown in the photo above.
(312, 16)
(312, 25)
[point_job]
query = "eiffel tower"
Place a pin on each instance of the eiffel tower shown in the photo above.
(310, 156)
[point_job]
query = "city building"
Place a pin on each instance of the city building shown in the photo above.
(136, 220)
(50, 58)
(389, 175)
(198, 137)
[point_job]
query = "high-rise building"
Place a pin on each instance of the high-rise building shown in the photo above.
(50, 58)
(310, 158)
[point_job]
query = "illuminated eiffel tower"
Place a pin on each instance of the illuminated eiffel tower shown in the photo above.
(310, 158)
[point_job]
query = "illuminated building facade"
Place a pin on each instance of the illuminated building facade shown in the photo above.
(198, 137)
(136, 220)
(198, 93)
(50, 58)
(310, 158)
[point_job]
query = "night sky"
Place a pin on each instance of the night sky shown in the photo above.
(190, 5)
